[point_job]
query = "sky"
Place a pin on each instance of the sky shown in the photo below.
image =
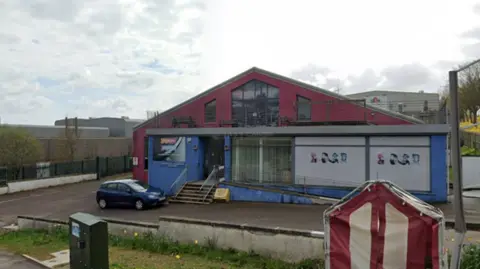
(94, 58)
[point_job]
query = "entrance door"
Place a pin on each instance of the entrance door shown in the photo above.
(214, 153)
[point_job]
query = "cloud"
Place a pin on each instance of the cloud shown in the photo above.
(97, 57)
(476, 9)
(471, 48)
(368, 79)
(408, 77)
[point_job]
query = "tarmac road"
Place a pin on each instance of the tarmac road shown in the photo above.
(61, 202)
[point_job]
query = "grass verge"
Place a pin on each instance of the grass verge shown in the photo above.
(471, 257)
(148, 252)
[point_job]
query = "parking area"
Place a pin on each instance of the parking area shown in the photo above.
(60, 202)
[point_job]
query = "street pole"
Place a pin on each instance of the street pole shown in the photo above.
(456, 159)
(460, 225)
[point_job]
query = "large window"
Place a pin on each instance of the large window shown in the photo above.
(262, 160)
(255, 103)
(304, 108)
(211, 111)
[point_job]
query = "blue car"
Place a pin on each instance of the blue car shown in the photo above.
(128, 192)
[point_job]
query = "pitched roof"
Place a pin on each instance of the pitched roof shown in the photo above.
(407, 197)
(286, 79)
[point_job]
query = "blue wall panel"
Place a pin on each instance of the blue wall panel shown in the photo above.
(251, 195)
(228, 158)
(438, 175)
(194, 158)
(162, 174)
(439, 167)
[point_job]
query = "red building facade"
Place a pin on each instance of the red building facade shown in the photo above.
(288, 102)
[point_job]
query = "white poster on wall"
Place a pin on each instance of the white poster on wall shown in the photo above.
(171, 149)
(330, 165)
(407, 167)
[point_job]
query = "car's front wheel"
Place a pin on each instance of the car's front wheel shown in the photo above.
(139, 204)
(102, 203)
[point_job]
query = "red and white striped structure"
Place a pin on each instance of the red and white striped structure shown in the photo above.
(380, 226)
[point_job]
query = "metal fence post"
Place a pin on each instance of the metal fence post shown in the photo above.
(97, 163)
(107, 171)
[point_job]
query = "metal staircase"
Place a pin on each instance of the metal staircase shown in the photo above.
(200, 192)
(193, 193)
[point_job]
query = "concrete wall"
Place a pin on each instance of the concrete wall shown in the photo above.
(27, 185)
(40, 131)
(285, 244)
(56, 149)
(471, 171)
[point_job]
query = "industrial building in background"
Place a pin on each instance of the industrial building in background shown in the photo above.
(421, 105)
(118, 127)
(50, 132)
(88, 138)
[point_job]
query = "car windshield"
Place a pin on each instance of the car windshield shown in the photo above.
(137, 187)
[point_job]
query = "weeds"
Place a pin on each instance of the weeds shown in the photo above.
(155, 244)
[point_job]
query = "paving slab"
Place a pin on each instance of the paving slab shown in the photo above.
(11, 261)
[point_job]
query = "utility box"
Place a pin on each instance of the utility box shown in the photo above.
(88, 242)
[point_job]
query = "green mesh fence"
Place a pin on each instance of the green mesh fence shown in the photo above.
(105, 166)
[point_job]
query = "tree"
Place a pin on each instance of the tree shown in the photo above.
(18, 148)
(71, 136)
(469, 92)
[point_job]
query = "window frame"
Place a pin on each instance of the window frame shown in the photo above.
(251, 111)
(110, 186)
(302, 100)
(122, 187)
(145, 153)
(210, 118)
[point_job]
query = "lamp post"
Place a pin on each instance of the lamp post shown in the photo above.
(460, 225)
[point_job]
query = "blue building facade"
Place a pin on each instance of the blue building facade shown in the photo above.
(294, 164)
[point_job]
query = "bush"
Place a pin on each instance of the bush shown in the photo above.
(471, 257)
(17, 148)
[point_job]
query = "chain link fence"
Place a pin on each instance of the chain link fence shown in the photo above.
(470, 140)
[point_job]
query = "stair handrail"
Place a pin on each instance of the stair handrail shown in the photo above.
(178, 180)
(213, 185)
(210, 176)
(208, 192)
